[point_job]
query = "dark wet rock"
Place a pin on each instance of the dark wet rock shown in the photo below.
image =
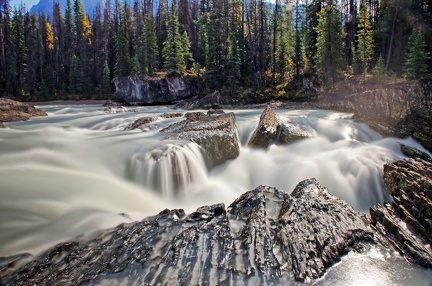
(264, 237)
(266, 131)
(143, 90)
(413, 153)
(215, 134)
(140, 122)
(407, 221)
(11, 111)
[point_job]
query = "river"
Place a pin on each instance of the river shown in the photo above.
(77, 171)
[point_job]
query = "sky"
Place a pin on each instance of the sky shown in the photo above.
(28, 3)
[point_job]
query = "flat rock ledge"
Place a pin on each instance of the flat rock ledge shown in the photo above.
(407, 221)
(272, 130)
(12, 111)
(215, 132)
(263, 237)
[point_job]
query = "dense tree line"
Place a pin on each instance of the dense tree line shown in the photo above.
(232, 44)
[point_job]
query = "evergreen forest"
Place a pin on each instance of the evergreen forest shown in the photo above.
(237, 45)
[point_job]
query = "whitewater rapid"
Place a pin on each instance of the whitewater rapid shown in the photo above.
(77, 171)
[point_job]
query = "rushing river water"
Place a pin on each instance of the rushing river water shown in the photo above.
(77, 171)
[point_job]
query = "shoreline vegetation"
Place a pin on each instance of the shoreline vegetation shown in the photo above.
(237, 48)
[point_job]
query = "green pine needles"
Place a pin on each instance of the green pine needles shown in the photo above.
(416, 57)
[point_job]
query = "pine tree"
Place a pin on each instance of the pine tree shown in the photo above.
(415, 65)
(379, 67)
(287, 47)
(123, 65)
(186, 50)
(329, 54)
(364, 49)
(173, 51)
(106, 79)
(20, 52)
(57, 28)
(204, 48)
(233, 64)
(68, 46)
(148, 52)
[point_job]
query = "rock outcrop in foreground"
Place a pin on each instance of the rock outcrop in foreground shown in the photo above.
(12, 111)
(215, 132)
(407, 221)
(263, 236)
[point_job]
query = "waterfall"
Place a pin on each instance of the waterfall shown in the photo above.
(168, 169)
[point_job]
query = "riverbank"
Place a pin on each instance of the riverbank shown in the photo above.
(67, 102)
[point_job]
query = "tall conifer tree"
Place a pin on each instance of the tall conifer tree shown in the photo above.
(415, 65)
(364, 49)
(173, 50)
(329, 55)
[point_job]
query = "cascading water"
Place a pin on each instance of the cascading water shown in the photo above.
(77, 171)
(168, 170)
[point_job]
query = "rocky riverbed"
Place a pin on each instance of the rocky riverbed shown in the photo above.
(11, 110)
(263, 236)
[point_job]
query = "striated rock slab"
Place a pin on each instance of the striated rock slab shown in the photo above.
(215, 133)
(263, 237)
(407, 221)
(12, 111)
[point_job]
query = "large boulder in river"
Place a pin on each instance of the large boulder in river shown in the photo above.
(264, 237)
(215, 133)
(143, 90)
(272, 129)
(407, 221)
(266, 131)
(11, 110)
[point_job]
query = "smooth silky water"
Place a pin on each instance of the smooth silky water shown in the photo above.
(76, 172)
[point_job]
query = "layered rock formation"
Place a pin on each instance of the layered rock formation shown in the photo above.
(215, 133)
(407, 221)
(11, 110)
(271, 130)
(144, 90)
(264, 237)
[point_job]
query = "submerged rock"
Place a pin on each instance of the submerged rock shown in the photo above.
(263, 237)
(215, 133)
(407, 221)
(140, 122)
(11, 111)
